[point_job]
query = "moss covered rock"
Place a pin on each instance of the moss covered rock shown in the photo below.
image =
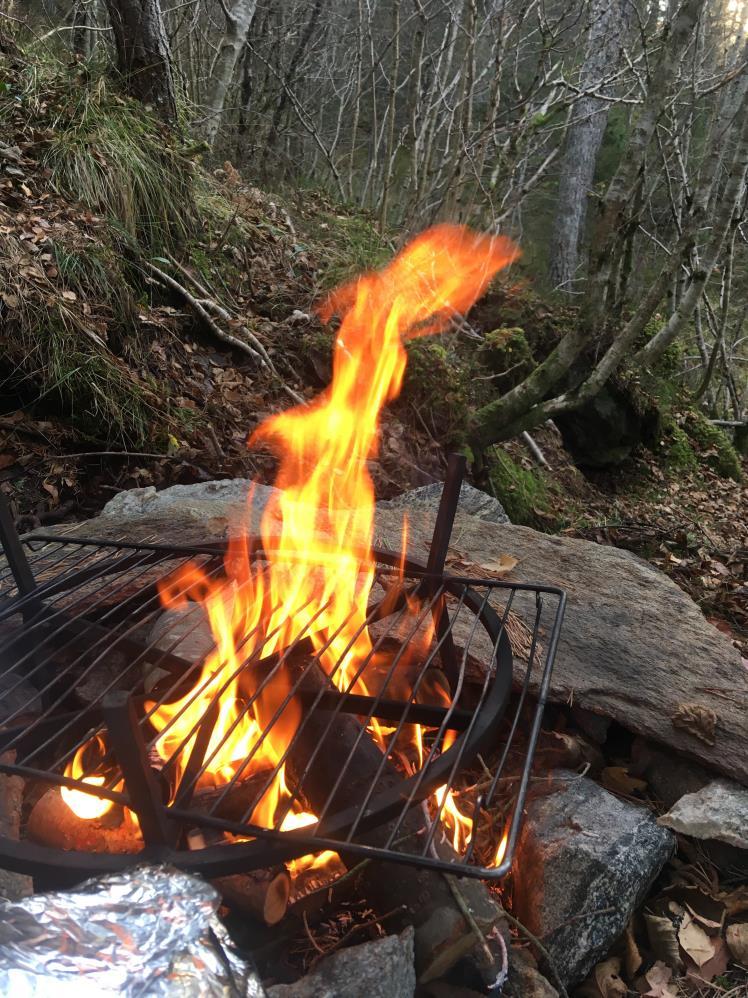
(507, 355)
(604, 432)
(523, 494)
(714, 445)
(437, 384)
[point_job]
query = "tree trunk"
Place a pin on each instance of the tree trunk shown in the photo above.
(523, 406)
(609, 20)
(239, 19)
(143, 56)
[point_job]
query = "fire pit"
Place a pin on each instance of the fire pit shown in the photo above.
(367, 767)
(290, 700)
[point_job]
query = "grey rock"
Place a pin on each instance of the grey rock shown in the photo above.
(17, 694)
(382, 968)
(634, 647)
(717, 811)
(582, 850)
(525, 980)
(473, 502)
(669, 776)
(205, 500)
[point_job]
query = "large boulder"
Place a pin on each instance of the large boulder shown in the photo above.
(584, 862)
(473, 502)
(634, 647)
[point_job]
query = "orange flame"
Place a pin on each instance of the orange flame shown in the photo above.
(318, 531)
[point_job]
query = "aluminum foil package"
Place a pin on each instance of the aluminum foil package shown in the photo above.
(148, 931)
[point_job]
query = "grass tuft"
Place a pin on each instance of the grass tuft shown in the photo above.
(112, 156)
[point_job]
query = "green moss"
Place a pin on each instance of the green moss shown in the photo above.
(680, 455)
(437, 385)
(352, 242)
(523, 494)
(714, 445)
(507, 355)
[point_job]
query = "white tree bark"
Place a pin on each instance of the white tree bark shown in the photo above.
(239, 18)
(605, 40)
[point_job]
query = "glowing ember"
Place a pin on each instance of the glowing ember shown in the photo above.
(86, 805)
(317, 533)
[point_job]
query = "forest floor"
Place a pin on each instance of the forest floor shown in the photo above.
(117, 379)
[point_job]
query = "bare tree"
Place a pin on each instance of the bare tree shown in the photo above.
(143, 55)
(605, 40)
(238, 20)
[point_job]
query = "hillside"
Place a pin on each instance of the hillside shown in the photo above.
(155, 309)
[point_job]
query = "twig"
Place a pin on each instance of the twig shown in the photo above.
(225, 232)
(468, 916)
(352, 931)
(541, 949)
(534, 449)
(309, 935)
(199, 307)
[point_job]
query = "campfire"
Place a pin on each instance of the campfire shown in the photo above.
(269, 712)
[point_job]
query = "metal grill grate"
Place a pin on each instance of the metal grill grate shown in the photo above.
(77, 650)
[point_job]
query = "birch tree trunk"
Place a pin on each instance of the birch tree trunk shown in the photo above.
(239, 19)
(143, 55)
(605, 40)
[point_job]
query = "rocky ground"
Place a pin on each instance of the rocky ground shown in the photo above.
(631, 867)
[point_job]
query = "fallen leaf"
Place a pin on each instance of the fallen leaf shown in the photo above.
(604, 981)
(501, 565)
(633, 957)
(735, 901)
(656, 982)
(6, 460)
(70, 296)
(697, 720)
(53, 491)
(708, 910)
(617, 779)
(712, 968)
(663, 940)
(737, 942)
(694, 941)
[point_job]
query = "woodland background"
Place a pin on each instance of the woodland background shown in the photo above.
(182, 180)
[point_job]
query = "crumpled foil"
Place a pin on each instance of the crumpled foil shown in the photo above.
(148, 931)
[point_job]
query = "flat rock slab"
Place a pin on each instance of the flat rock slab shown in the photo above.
(473, 502)
(717, 811)
(585, 862)
(382, 968)
(634, 647)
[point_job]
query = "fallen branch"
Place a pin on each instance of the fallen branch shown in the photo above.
(205, 305)
(534, 449)
(198, 306)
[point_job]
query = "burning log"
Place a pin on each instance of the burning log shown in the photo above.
(234, 804)
(53, 823)
(263, 894)
(443, 934)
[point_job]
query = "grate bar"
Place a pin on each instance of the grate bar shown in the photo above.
(95, 601)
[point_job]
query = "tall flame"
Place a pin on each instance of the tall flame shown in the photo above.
(318, 531)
